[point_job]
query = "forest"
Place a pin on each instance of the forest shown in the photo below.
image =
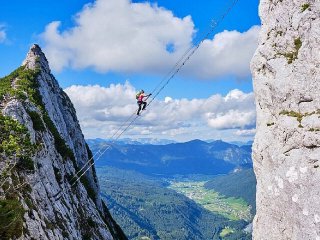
(146, 208)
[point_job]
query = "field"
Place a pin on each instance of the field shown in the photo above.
(229, 207)
(226, 231)
(146, 208)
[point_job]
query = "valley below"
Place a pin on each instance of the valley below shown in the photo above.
(183, 201)
(172, 208)
(229, 207)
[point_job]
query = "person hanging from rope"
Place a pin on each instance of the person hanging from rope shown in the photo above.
(141, 103)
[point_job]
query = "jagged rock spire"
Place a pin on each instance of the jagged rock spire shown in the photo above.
(36, 58)
(55, 210)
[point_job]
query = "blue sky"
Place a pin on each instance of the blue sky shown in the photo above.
(119, 46)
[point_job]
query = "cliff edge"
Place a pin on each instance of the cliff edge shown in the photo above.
(41, 149)
(286, 150)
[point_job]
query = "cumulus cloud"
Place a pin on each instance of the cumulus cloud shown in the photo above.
(237, 111)
(102, 110)
(103, 104)
(168, 99)
(228, 53)
(121, 36)
(246, 132)
(232, 119)
(3, 34)
(117, 35)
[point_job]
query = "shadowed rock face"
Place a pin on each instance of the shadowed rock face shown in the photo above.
(53, 210)
(286, 150)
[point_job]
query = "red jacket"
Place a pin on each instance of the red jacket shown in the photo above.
(141, 96)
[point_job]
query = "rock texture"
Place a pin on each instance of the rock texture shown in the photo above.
(53, 209)
(286, 151)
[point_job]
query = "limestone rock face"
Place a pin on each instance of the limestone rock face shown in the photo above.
(53, 209)
(286, 150)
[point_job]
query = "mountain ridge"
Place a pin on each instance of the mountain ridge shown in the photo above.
(190, 157)
(40, 118)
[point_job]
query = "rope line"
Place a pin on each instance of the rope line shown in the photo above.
(172, 69)
(84, 166)
(158, 89)
(93, 162)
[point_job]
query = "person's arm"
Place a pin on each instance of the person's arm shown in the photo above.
(146, 96)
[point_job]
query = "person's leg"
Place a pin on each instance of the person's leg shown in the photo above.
(139, 109)
(144, 105)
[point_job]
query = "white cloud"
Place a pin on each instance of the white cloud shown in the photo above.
(117, 35)
(235, 94)
(102, 110)
(3, 34)
(103, 104)
(228, 53)
(121, 36)
(237, 111)
(246, 132)
(168, 99)
(232, 119)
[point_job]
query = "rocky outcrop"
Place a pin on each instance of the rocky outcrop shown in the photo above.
(41, 149)
(286, 150)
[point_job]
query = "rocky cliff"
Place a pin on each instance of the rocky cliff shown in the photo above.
(286, 151)
(41, 149)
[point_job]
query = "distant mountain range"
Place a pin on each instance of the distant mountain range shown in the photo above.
(249, 143)
(127, 141)
(193, 157)
(154, 141)
(134, 180)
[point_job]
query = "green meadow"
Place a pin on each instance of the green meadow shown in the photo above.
(229, 207)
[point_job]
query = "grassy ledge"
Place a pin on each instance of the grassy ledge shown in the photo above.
(11, 220)
(292, 56)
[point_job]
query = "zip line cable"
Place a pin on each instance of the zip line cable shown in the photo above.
(163, 83)
(186, 57)
(91, 163)
(172, 69)
(154, 90)
(99, 151)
